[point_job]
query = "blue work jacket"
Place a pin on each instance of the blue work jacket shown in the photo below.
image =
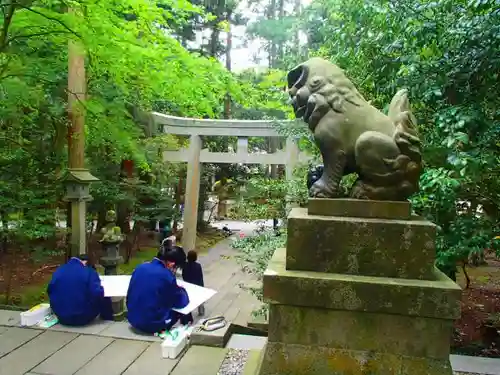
(75, 293)
(152, 294)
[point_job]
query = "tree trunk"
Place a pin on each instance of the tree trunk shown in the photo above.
(229, 45)
(297, 10)
(272, 44)
(201, 201)
(77, 93)
(76, 111)
(281, 46)
(178, 201)
(214, 40)
(101, 219)
(467, 278)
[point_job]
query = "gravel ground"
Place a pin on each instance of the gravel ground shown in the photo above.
(234, 362)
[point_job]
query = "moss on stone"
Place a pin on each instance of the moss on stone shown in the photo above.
(357, 246)
(385, 333)
(359, 208)
(292, 359)
(425, 298)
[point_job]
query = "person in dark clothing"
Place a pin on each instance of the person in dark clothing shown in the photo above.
(193, 273)
(313, 175)
(76, 294)
(227, 231)
(153, 293)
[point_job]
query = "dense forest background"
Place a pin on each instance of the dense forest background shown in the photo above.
(144, 55)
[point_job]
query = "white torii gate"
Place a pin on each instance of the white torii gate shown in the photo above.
(194, 155)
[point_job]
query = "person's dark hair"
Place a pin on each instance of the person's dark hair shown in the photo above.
(167, 244)
(182, 255)
(83, 257)
(192, 256)
(167, 255)
(173, 255)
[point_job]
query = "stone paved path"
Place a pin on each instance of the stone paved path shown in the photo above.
(223, 273)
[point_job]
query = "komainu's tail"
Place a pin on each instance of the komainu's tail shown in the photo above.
(409, 162)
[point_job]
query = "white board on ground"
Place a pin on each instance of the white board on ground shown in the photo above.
(117, 286)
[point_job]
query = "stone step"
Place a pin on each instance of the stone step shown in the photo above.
(259, 324)
(10, 318)
(12, 338)
(478, 365)
(200, 360)
(246, 342)
(217, 338)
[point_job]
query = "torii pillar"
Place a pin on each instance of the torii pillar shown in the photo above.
(192, 194)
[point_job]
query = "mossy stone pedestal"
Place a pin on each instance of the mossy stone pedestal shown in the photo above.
(358, 294)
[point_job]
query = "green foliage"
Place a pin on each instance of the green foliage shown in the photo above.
(446, 53)
(278, 28)
(266, 198)
(265, 94)
(133, 65)
(254, 254)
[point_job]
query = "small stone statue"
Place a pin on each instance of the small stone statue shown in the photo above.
(111, 240)
(111, 232)
(355, 137)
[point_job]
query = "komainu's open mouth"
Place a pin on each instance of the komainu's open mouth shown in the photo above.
(297, 78)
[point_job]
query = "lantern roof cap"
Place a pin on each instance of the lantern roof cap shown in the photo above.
(79, 175)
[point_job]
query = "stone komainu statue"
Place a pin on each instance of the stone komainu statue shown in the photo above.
(355, 137)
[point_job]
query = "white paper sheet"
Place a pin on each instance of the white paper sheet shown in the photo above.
(197, 296)
(117, 286)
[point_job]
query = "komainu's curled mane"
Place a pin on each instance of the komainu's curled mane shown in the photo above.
(354, 136)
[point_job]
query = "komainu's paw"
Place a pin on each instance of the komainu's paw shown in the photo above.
(358, 192)
(321, 189)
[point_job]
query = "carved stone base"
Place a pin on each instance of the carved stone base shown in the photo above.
(359, 208)
(361, 246)
(322, 323)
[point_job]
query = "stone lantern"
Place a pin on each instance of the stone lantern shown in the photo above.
(77, 183)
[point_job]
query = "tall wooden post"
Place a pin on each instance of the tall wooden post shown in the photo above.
(77, 91)
(78, 178)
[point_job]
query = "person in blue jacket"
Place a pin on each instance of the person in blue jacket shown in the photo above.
(153, 293)
(76, 294)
